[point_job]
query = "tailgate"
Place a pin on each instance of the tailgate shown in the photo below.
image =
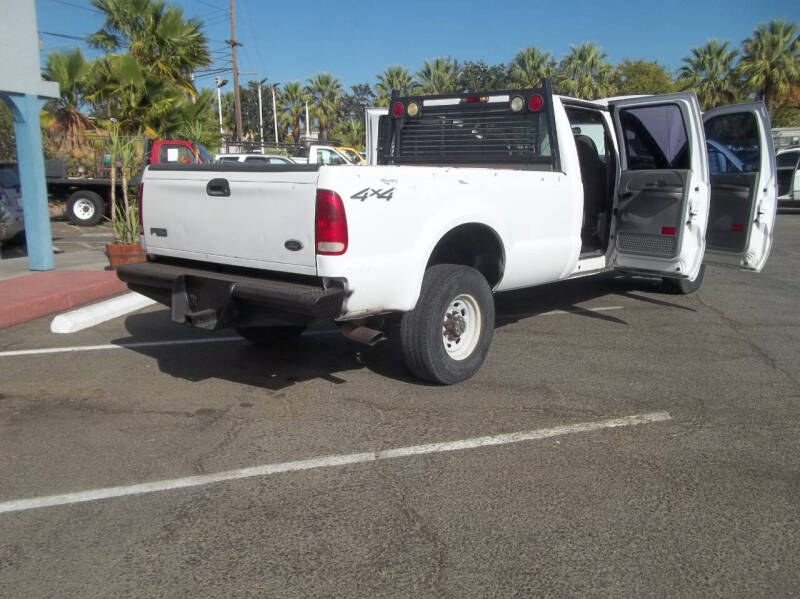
(252, 216)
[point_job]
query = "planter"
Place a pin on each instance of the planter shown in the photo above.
(119, 254)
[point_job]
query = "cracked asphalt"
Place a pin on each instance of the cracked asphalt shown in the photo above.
(704, 505)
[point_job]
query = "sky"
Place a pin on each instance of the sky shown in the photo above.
(355, 41)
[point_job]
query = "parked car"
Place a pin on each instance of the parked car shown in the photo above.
(323, 154)
(472, 194)
(253, 159)
(788, 180)
(353, 154)
(10, 202)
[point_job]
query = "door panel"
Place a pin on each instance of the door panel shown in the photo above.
(649, 212)
(743, 186)
(731, 211)
(662, 198)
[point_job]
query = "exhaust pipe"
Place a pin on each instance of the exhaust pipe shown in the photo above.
(363, 335)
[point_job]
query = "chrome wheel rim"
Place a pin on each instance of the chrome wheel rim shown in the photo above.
(83, 208)
(461, 327)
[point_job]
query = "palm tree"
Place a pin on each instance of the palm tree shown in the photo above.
(128, 92)
(529, 67)
(585, 73)
(710, 72)
(292, 100)
(771, 61)
(157, 35)
(324, 90)
(71, 71)
(439, 76)
(395, 78)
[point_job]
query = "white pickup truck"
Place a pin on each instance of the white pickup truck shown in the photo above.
(473, 194)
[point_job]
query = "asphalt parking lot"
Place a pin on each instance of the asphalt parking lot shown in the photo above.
(658, 454)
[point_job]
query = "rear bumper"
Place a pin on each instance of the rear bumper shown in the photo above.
(214, 300)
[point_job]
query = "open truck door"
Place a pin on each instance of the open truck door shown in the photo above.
(662, 195)
(744, 195)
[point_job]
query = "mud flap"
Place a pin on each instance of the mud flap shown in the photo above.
(203, 303)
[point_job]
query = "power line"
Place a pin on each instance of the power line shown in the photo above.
(211, 5)
(70, 37)
(99, 12)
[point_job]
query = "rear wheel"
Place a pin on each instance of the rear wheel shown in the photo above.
(684, 286)
(85, 208)
(270, 336)
(446, 337)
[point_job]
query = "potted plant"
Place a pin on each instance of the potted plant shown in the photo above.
(125, 248)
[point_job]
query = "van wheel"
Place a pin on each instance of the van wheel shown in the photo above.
(683, 286)
(270, 336)
(446, 337)
(85, 208)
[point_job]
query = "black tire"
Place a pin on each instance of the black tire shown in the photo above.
(422, 331)
(683, 286)
(85, 208)
(270, 336)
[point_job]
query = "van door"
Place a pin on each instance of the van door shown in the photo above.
(662, 194)
(744, 196)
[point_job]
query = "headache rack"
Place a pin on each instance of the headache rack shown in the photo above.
(507, 127)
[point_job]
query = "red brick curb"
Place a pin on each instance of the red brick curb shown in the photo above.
(33, 296)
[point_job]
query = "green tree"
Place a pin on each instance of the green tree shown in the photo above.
(585, 73)
(529, 67)
(157, 35)
(8, 148)
(350, 133)
(292, 106)
(131, 94)
(770, 63)
(324, 91)
(710, 72)
(642, 77)
(352, 106)
(439, 76)
(71, 71)
(394, 78)
(474, 76)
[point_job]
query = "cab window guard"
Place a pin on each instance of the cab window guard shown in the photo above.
(514, 127)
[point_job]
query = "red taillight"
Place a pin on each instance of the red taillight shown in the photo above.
(331, 227)
(139, 196)
(535, 102)
(668, 230)
(737, 228)
(398, 109)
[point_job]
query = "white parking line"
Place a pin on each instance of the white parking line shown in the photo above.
(78, 348)
(20, 505)
(83, 348)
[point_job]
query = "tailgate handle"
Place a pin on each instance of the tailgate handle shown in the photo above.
(218, 187)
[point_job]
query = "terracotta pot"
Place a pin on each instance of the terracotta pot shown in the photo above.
(119, 254)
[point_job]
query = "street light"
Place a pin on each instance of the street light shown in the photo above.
(275, 111)
(220, 83)
(261, 114)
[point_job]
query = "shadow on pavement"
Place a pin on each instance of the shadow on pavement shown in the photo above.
(322, 353)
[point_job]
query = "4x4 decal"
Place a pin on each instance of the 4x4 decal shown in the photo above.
(369, 192)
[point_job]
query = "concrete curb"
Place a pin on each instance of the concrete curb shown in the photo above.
(89, 316)
(33, 296)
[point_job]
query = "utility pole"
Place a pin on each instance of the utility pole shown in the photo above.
(237, 100)
(261, 113)
(275, 112)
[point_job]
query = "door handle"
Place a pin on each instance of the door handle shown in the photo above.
(219, 188)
